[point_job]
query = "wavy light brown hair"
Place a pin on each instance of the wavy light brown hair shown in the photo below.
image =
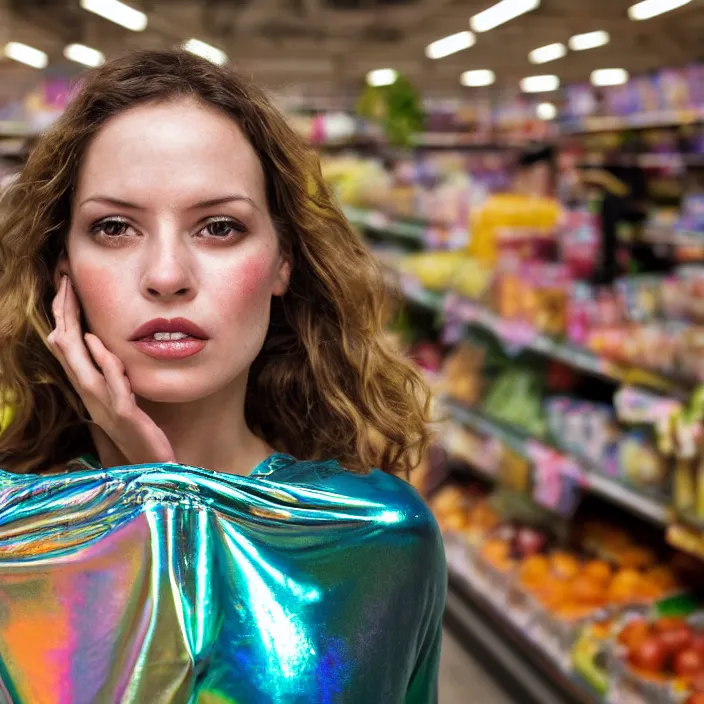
(327, 384)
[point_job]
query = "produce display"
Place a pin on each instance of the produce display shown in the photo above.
(530, 397)
(620, 614)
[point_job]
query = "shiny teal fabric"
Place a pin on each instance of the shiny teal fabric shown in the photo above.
(302, 582)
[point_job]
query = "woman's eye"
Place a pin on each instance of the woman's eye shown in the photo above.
(223, 228)
(110, 228)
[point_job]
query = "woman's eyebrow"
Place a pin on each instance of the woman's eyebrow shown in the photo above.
(210, 203)
(111, 201)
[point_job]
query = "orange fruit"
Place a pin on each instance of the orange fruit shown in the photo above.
(554, 593)
(598, 570)
(564, 565)
(534, 569)
(589, 591)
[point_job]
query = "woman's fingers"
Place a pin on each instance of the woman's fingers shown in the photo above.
(71, 350)
(118, 385)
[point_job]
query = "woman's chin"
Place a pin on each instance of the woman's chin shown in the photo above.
(178, 388)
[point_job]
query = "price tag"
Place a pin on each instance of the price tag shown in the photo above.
(458, 238)
(557, 479)
(452, 332)
(434, 237)
(451, 304)
(411, 287)
(547, 478)
(516, 335)
(377, 220)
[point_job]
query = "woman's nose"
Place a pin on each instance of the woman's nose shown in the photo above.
(169, 271)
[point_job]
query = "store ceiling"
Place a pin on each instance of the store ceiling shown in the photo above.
(323, 48)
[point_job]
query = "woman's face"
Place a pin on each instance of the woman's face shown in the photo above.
(170, 220)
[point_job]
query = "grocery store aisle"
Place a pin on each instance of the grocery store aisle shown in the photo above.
(463, 680)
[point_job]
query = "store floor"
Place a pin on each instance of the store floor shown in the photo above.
(463, 680)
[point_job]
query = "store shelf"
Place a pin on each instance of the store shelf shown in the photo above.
(376, 221)
(522, 336)
(462, 140)
(665, 118)
(487, 626)
(13, 128)
(649, 508)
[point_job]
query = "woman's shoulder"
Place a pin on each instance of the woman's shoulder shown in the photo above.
(390, 499)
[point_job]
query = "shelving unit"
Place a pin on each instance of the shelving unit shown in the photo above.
(521, 335)
(593, 481)
(377, 222)
(650, 120)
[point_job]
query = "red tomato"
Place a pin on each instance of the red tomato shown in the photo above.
(688, 663)
(676, 639)
(649, 655)
(696, 698)
(698, 642)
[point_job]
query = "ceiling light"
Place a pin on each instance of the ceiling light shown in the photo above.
(450, 45)
(551, 52)
(590, 40)
(650, 8)
(82, 54)
(199, 48)
(117, 12)
(382, 77)
(26, 55)
(609, 77)
(501, 12)
(546, 111)
(540, 84)
(478, 77)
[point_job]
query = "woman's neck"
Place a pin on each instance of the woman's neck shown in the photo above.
(211, 433)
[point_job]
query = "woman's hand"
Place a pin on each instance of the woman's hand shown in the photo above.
(130, 435)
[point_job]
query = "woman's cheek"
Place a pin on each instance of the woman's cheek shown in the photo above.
(98, 290)
(250, 282)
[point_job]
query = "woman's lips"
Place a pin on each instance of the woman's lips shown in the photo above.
(170, 349)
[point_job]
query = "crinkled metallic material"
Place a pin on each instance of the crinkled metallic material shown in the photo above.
(301, 582)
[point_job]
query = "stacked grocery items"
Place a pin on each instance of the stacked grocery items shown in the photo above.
(441, 189)
(659, 657)
(651, 321)
(615, 611)
(664, 97)
(528, 398)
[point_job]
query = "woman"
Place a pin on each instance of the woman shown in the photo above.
(191, 512)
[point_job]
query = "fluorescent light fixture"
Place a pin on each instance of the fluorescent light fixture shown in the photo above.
(503, 11)
(551, 52)
(546, 111)
(199, 48)
(590, 40)
(450, 45)
(82, 54)
(540, 84)
(382, 77)
(478, 77)
(609, 77)
(26, 55)
(651, 8)
(117, 12)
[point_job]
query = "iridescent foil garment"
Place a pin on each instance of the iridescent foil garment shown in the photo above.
(302, 582)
